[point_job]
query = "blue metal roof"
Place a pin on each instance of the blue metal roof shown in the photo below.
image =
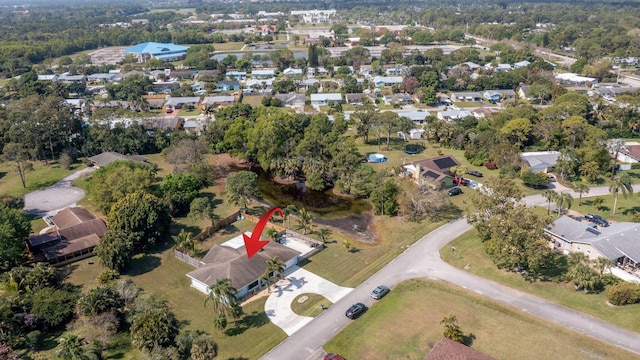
(154, 48)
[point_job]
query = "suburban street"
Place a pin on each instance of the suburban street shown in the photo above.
(422, 260)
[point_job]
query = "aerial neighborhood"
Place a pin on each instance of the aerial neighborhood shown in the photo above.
(357, 180)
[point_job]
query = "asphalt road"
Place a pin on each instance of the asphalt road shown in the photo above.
(422, 260)
(56, 197)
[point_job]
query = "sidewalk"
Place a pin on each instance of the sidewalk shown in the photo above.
(298, 281)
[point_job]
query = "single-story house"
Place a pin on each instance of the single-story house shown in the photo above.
(107, 157)
(230, 260)
(366, 70)
(359, 98)
(173, 123)
(68, 78)
(307, 83)
(292, 99)
(575, 79)
(52, 78)
(182, 74)
(77, 233)
(174, 103)
(447, 349)
(499, 67)
(466, 96)
(613, 91)
(434, 171)
(521, 64)
(326, 98)
(495, 96)
(228, 85)
(165, 86)
(291, 72)
(259, 84)
(450, 115)
(104, 77)
(393, 71)
(540, 161)
(631, 154)
(376, 158)
(618, 242)
(472, 66)
(522, 92)
(236, 75)
(207, 73)
(217, 101)
(263, 74)
(416, 116)
(381, 81)
(399, 98)
(194, 126)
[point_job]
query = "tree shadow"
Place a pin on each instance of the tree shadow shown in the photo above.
(176, 228)
(49, 340)
(253, 320)
(3, 174)
(66, 271)
(468, 339)
(631, 211)
(142, 264)
(353, 250)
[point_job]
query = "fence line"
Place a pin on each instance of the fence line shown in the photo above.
(188, 259)
(220, 224)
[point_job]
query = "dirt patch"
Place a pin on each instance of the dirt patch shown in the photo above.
(359, 227)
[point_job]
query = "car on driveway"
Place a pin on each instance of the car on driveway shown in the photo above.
(474, 173)
(460, 181)
(454, 191)
(334, 357)
(356, 310)
(379, 292)
(551, 178)
(597, 219)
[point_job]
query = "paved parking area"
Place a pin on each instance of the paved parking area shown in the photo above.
(298, 281)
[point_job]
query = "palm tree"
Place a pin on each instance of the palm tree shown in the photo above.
(186, 243)
(563, 200)
(598, 202)
(287, 211)
(305, 220)
(621, 183)
(549, 195)
(225, 305)
(590, 170)
(323, 234)
(272, 234)
(451, 329)
(276, 267)
(580, 188)
(266, 277)
(602, 263)
(70, 347)
(566, 162)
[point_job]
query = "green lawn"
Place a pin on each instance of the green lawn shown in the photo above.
(468, 104)
(228, 46)
(312, 306)
(406, 325)
(469, 251)
(252, 100)
(42, 176)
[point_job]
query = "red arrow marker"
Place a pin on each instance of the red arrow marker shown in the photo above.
(253, 244)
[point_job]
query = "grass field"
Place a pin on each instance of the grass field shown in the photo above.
(42, 176)
(228, 46)
(252, 100)
(469, 251)
(312, 306)
(406, 325)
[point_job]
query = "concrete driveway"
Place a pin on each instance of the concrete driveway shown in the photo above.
(56, 197)
(299, 281)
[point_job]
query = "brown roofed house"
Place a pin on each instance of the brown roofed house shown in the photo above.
(434, 171)
(232, 262)
(447, 349)
(77, 233)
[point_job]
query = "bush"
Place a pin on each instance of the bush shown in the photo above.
(635, 166)
(107, 276)
(623, 293)
(491, 165)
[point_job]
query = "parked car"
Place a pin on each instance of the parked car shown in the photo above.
(597, 219)
(552, 178)
(379, 292)
(334, 357)
(454, 191)
(474, 173)
(356, 310)
(460, 181)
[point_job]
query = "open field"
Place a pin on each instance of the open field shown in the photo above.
(406, 325)
(469, 251)
(252, 100)
(228, 46)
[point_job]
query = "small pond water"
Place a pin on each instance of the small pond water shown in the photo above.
(326, 204)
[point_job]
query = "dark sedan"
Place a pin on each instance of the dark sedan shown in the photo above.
(474, 173)
(356, 310)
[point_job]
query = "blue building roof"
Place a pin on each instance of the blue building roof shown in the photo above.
(156, 48)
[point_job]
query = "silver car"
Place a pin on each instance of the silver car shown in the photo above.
(380, 292)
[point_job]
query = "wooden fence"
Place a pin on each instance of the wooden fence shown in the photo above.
(188, 259)
(220, 224)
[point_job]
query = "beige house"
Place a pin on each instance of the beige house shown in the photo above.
(433, 172)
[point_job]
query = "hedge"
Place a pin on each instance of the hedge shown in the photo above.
(623, 293)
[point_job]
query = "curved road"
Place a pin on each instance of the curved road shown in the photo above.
(56, 197)
(423, 260)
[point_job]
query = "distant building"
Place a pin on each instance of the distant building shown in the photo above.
(153, 50)
(314, 16)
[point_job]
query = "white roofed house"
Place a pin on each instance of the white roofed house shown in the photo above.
(217, 101)
(325, 99)
(417, 117)
(399, 98)
(292, 99)
(450, 115)
(175, 103)
(263, 74)
(291, 72)
(540, 161)
(466, 96)
(381, 81)
(617, 242)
